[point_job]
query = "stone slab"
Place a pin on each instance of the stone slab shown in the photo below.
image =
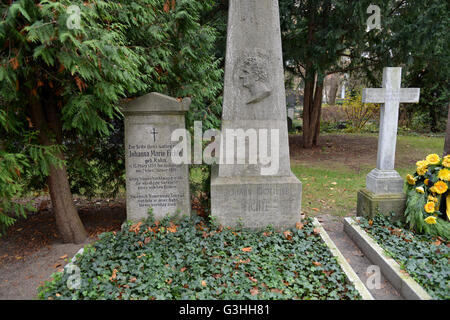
(400, 280)
(370, 204)
(256, 202)
(152, 180)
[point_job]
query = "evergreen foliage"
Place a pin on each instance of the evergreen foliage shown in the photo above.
(83, 75)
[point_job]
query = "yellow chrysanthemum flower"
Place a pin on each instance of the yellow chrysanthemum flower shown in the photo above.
(433, 199)
(433, 159)
(446, 162)
(444, 174)
(430, 220)
(422, 170)
(410, 179)
(420, 190)
(426, 181)
(422, 163)
(439, 187)
(429, 207)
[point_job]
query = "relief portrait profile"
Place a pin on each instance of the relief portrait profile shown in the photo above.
(254, 77)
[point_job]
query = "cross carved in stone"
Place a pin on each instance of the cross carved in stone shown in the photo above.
(391, 95)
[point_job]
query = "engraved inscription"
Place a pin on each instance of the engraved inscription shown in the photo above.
(153, 180)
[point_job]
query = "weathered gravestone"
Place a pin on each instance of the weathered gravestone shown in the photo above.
(254, 103)
(384, 186)
(152, 179)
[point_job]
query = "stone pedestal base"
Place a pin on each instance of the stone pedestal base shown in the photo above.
(384, 182)
(256, 202)
(370, 204)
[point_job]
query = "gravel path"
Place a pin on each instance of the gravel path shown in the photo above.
(19, 280)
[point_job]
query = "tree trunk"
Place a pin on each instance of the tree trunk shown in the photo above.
(447, 135)
(334, 85)
(318, 106)
(312, 96)
(67, 220)
(311, 112)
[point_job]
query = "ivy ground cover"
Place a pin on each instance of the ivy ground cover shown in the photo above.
(190, 259)
(424, 257)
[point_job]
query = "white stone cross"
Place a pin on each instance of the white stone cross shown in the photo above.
(391, 95)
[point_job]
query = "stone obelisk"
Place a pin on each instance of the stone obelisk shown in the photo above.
(253, 184)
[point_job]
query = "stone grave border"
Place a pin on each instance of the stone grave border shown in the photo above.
(352, 277)
(400, 280)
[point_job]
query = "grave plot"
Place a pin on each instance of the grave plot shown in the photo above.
(420, 269)
(187, 259)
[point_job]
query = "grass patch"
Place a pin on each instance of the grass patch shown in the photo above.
(190, 259)
(329, 190)
(330, 185)
(421, 145)
(425, 258)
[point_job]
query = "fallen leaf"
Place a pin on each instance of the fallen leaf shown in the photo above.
(276, 290)
(316, 231)
(172, 228)
(247, 249)
(288, 234)
(114, 275)
(254, 291)
(299, 225)
(317, 264)
(203, 283)
(63, 257)
(135, 227)
(57, 265)
(316, 209)
(183, 269)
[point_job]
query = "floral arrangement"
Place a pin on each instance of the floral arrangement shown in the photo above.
(428, 196)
